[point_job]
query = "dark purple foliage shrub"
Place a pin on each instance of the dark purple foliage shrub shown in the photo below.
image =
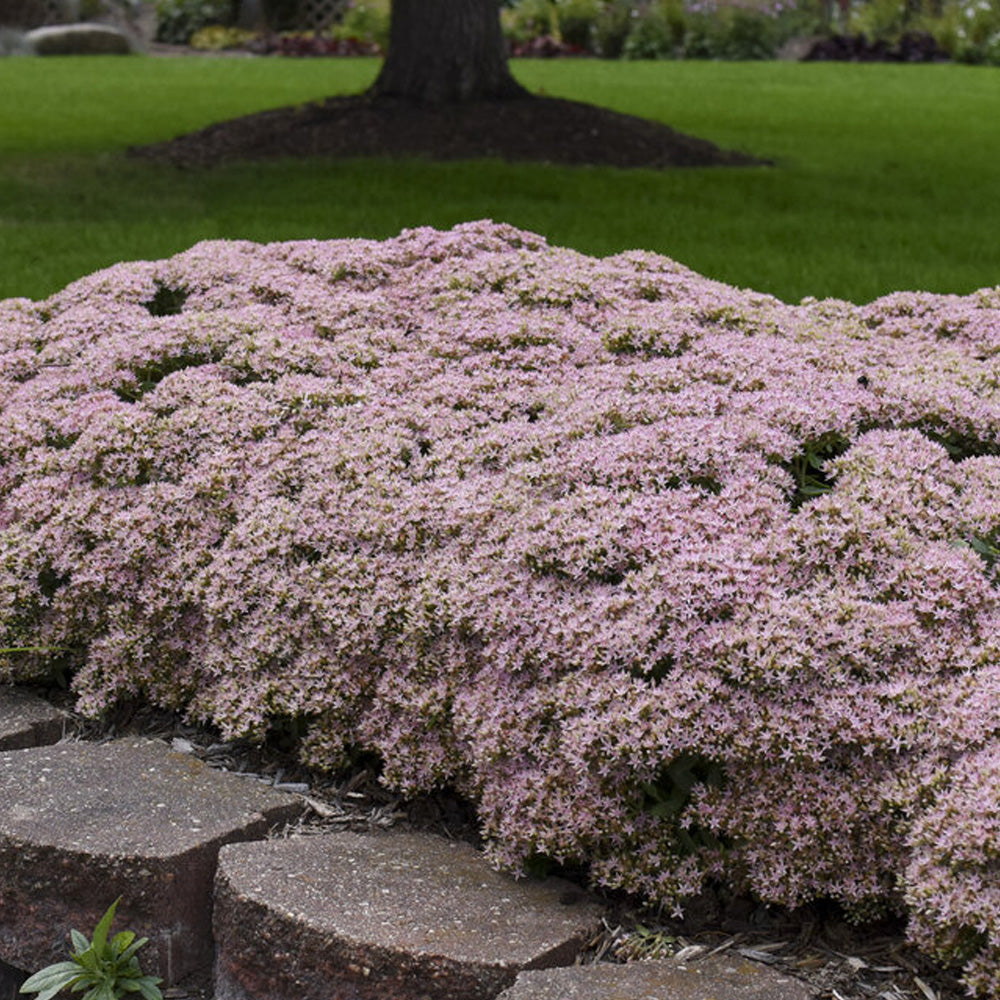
(311, 45)
(675, 580)
(544, 47)
(911, 47)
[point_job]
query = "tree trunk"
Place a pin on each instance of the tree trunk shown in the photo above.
(444, 51)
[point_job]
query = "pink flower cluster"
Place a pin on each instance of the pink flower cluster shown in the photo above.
(677, 581)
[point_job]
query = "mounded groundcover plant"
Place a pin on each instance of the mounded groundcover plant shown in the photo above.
(675, 581)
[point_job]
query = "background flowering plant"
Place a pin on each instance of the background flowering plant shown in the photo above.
(676, 581)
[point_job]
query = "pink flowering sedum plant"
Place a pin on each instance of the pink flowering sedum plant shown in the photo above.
(678, 582)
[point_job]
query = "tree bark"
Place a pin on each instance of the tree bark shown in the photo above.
(445, 51)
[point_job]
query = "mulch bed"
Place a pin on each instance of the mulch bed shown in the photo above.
(538, 129)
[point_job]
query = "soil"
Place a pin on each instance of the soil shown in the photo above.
(539, 129)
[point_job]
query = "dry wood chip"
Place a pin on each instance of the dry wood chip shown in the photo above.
(735, 939)
(770, 946)
(298, 787)
(686, 954)
(323, 809)
(811, 962)
(756, 955)
(607, 940)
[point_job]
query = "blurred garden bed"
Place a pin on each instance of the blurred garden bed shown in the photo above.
(965, 31)
(852, 30)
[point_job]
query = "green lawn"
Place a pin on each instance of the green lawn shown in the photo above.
(885, 176)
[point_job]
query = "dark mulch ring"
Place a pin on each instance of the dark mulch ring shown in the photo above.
(837, 960)
(536, 129)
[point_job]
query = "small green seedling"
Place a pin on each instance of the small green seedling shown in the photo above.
(107, 970)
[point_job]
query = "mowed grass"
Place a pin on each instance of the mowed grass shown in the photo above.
(884, 177)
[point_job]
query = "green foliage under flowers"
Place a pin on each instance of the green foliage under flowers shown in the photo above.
(367, 21)
(808, 468)
(217, 37)
(968, 30)
(611, 28)
(107, 970)
(658, 33)
(984, 548)
(663, 29)
(668, 29)
(178, 20)
(880, 19)
(732, 32)
(575, 19)
(669, 794)
(529, 19)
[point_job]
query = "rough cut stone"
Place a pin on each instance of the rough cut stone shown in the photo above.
(714, 978)
(78, 40)
(82, 823)
(401, 916)
(27, 720)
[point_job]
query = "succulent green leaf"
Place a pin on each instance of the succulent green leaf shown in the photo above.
(982, 547)
(671, 806)
(681, 773)
(687, 841)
